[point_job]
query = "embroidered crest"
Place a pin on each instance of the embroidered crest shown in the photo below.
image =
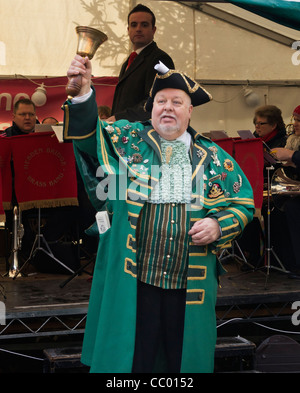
(228, 164)
(215, 191)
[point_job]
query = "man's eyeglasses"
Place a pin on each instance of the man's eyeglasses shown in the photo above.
(26, 114)
(260, 123)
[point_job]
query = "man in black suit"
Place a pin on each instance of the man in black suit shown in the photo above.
(135, 79)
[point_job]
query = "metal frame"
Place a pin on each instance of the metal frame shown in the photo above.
(46, 326)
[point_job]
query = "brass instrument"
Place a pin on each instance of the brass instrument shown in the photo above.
(89, 40)
(289, 129)
(282, 187)
(290, 126)
(18, 233)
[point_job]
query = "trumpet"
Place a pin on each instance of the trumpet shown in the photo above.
(18, 233)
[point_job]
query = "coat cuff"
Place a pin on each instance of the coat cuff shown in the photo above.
(80, 119)
(229, 226)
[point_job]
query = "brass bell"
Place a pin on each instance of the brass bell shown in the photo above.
(89, 40)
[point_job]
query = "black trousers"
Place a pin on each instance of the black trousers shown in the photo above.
(159, 327)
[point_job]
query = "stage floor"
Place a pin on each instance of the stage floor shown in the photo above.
(39, 304)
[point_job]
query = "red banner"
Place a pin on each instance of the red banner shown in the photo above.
(45, 173)
(2, 213)
(249, 155)
(11, 90)
(5, 169)
(226, 144)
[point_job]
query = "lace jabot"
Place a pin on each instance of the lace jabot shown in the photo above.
(176, 172)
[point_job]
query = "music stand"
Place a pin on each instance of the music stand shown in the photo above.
(37, 247)
(2, 289)
(233, 255)
(78, 272)
(269, 249)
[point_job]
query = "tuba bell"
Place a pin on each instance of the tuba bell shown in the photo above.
(18, 233)
(283, 187)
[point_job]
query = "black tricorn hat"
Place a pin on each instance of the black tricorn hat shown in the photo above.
(173, 79)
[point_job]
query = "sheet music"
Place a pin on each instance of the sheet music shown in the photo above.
(58, 130)
(42, 128)
(245, 134)
(218, 134)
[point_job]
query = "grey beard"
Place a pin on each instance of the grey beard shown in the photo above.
(168, 129)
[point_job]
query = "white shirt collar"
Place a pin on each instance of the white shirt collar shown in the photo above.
(184, 138)
(139, 50)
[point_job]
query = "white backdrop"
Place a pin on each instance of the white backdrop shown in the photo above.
(37, 38)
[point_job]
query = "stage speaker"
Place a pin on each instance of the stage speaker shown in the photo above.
(278, 354)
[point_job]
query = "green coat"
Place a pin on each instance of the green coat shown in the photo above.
(221, 192)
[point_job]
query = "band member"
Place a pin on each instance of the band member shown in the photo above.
(290, 155)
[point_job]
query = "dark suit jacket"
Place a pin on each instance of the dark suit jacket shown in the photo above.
(135, 83)
(14, 130)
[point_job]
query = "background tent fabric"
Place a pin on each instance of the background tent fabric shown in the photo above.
(284, 12)
(39, 41)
